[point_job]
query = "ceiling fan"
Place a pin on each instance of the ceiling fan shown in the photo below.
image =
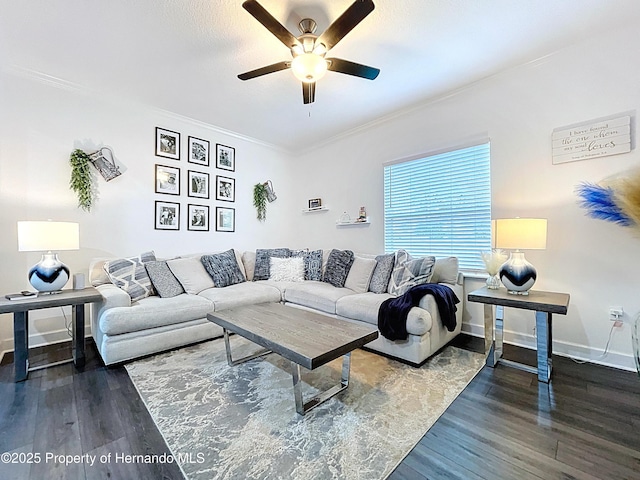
(308, 50)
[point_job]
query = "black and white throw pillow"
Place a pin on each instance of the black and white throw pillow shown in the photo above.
(223, 268)
(163, 279)
(262, 268)
(130, 275)
(409, 272)
(338, 266)
(382, 273)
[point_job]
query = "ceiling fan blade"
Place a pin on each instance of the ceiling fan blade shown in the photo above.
(308, 92)
(273, 25)
(345, 23)
(276, 67)
(352, 68)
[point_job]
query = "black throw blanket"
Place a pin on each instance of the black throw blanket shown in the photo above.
(392, 315)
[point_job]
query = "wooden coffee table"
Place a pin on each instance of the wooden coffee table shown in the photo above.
(307, 339)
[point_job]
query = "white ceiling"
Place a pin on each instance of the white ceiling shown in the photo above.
(183, 55)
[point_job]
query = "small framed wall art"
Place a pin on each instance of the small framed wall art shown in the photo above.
(167, 180)
(198, 218)
(198, 184)
(315, 203)
(225, 189)
(198, 151)
(225, 219)
(167, 216)
(167, 143)
(225, 157)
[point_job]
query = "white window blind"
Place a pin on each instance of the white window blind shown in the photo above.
(440, 205)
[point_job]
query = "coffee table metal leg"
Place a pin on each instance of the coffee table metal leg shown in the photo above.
(303, 407)
(233, 362)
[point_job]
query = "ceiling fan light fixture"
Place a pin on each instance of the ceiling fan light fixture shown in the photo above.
(309, 67)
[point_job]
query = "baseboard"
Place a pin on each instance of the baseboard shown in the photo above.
(564, 349)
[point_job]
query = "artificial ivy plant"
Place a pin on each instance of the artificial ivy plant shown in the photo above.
(260, 200)
(81, 179)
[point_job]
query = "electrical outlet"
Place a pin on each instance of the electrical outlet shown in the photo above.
(615, 314)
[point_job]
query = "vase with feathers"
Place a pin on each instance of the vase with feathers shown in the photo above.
(493, 260)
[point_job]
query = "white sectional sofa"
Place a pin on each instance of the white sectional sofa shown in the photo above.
(124, 329)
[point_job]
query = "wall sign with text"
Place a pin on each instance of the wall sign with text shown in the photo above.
(599, 138)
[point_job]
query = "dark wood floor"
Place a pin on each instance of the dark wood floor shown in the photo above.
(505, 425)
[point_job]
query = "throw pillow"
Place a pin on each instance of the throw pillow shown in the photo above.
(261, 269)
(223, 268)
(382, 273)
(249, 261)
(445, 271)
(338, 266)
(165, 282)
(191, 274)
(312, 263)
(287, 269)
(130, 275)
(360, 274)
(409, 272)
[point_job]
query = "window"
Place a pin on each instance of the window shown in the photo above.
(440, 205)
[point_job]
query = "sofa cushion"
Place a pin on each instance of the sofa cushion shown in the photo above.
(338, 266)
(382, 273)
(245, 293)
(365, 306)
(286, 269)
(445, 270)
(191, 274)
(152, 312)
(262, 265)
(130, 275)
(312, 263)
(249, 263)
(360, 274)
(223, 268)
(163, 280)
(318, 295)
(408, 272)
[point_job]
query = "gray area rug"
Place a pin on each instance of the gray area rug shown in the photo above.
(240, 422)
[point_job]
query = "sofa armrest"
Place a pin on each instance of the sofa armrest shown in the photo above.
(113, 297)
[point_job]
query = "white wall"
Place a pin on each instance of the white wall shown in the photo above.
(595, 261)
(42, 120)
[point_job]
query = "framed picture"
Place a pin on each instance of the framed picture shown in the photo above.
(198, 151)
(198, 184)
(225, 157)
(167, 216)
(167, 143)
(225, 219)
(225, 189)
(315, 203)
(167, 180)
(198, 218)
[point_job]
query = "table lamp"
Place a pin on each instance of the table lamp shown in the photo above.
(516, 274)
(50, 274)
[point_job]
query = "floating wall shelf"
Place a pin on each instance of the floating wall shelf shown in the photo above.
(313, 210)
(352, 223)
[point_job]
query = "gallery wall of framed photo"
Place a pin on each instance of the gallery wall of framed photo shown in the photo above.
(199, 175)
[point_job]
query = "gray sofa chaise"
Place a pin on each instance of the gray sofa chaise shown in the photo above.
(124, 329)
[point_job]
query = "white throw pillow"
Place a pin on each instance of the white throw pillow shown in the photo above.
(191, 274)
(360, 274)
(286, 269)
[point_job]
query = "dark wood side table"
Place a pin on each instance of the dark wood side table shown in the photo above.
(21, 308)
(543, 303)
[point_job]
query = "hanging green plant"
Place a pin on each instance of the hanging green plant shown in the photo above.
(81, 180)
(260, 200)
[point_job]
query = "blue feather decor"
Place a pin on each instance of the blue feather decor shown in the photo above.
(600, 202)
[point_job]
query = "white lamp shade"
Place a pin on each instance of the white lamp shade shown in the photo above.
(48, 236)
(521, 233)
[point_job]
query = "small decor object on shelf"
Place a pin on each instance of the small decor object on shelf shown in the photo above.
(81, 179)
(198, 218)
(167, 180)
(167, 216)
(198, 151)
(362, 215)
(345, 218)
(225, 157)
(225, 219)
(50, 274)
(315, 203)
(198, 184)
(167, 143)
(225, 189)
(493, 260)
